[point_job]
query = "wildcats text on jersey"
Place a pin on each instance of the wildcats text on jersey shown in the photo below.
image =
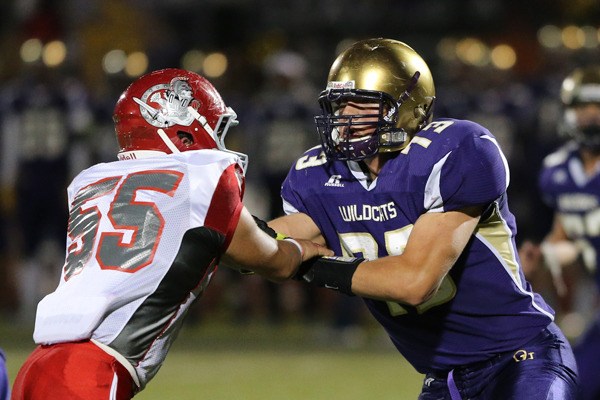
(366, 212)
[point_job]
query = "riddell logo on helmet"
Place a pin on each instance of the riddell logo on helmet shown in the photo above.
(130, 155)
(341, 85)
(172, 99)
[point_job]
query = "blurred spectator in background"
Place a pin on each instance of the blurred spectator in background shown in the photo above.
(279, 127)
(570, 185)
(45, 117)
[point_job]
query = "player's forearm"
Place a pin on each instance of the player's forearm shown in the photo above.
(299, 226)
(281, 264)
(256, 247)
(415, 276)
(253, 249)
(557, 249)
(279, 225)
(395, 279)
(564, 252)
(387, 279)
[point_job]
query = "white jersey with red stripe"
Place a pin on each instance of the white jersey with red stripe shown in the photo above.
(143, 240)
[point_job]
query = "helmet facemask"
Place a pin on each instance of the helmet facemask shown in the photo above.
(587, 135)
(341, 134)
(226, 121)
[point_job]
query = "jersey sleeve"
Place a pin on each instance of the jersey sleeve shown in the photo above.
(226, 204)
(544, 183)
(551, 175)
(473, 173)
(292, 199)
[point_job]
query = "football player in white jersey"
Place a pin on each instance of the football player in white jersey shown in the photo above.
(145, 235)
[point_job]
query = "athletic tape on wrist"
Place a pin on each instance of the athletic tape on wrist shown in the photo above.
(280, 236)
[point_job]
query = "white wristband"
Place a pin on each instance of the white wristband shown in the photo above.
(298, 245)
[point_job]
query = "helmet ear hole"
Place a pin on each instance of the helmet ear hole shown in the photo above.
(187, 139)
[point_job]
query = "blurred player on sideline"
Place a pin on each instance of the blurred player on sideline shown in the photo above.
(422, 204)
(570, 184)
(145, 235)
(4, 382)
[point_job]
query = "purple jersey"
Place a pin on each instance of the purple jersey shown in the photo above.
(575, 197)
(484, 306)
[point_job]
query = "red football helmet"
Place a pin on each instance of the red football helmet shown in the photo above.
(170, 111)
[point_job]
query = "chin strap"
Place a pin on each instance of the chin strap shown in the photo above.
(168, 142)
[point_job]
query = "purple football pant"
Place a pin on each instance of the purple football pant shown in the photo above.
(542, 369)
(4, 384)
(587, 355)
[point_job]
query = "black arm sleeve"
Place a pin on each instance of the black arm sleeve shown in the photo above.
(330, 272)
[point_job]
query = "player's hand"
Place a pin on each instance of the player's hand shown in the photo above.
(531, 258)
(311, 250)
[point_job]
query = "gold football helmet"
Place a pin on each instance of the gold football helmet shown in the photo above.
(581, 87)
(375, 71)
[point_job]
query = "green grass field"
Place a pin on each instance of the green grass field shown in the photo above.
(265, 375)
(224, 362)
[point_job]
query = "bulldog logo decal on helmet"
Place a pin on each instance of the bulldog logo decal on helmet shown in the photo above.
(173, 100)
(169, 111)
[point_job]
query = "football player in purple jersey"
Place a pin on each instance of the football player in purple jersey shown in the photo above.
(417, 211)
(570, 184)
